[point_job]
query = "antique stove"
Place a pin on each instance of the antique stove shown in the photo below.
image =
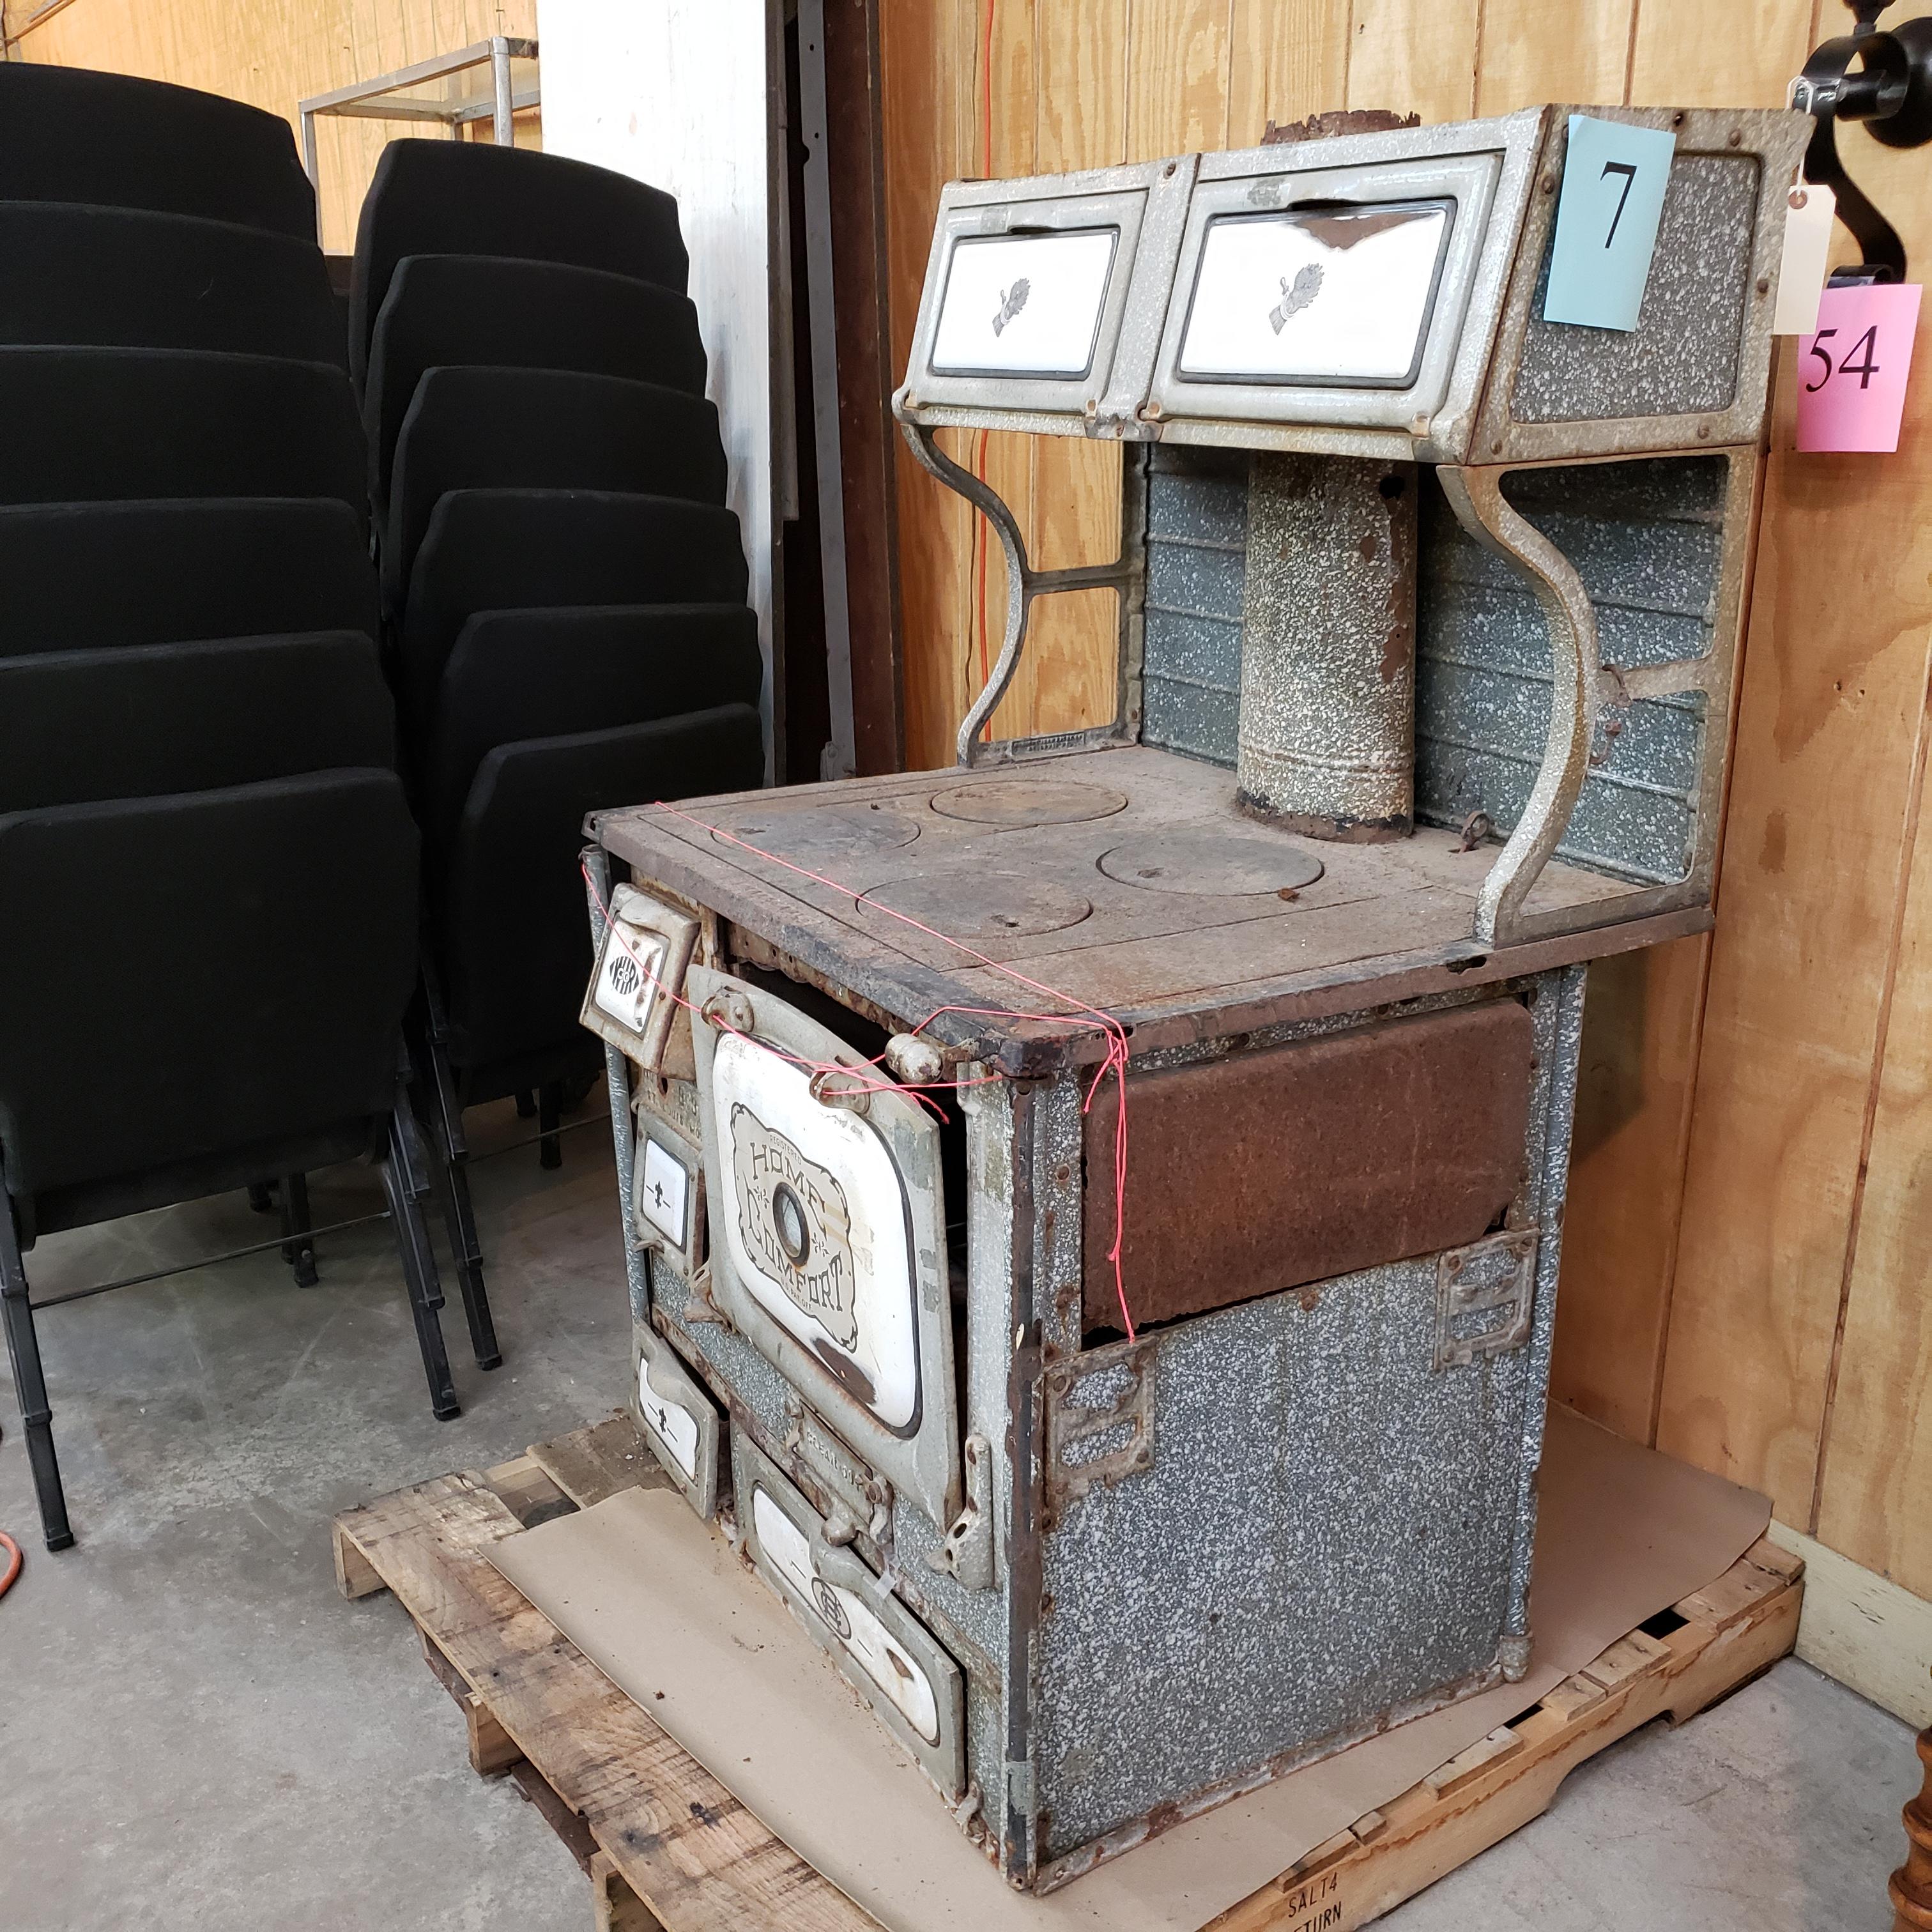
(1123, 1472)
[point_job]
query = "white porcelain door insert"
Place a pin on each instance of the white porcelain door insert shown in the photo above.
(828, 1237)
(679, 1422)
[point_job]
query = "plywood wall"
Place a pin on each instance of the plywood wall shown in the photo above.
(273, 53)
(1749, 1228)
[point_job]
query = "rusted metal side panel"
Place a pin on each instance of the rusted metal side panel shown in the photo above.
(1264, 1171)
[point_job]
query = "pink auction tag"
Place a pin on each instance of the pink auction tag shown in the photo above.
(1851, 373)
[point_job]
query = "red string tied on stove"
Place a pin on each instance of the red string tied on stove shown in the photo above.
(1114, 1061)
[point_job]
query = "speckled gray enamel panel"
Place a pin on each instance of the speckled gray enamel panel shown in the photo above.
(1683, 354)
(1195, 579)
(1198, 721)
(1636, 816)
(1646, 538)
(1197, 531)
(1325, 1533)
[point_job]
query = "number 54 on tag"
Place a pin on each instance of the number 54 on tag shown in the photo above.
(1852, 373)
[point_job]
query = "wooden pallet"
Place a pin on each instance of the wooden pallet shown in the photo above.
(669, 1850)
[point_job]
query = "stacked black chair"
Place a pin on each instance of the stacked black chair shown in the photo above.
(564, 590)
(209, 871)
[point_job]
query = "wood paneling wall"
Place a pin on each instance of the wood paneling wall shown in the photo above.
(273, 53)
(1750, 1223)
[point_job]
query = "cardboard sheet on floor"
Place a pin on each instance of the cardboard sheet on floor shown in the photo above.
(653, 1597)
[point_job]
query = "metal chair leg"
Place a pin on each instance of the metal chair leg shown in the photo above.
(298, 1251)
(450, 1156)
(549, 1109)
(452, 1185)
(403, 1183)
(23, 1351)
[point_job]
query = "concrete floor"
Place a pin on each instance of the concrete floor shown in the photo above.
(196, 1730)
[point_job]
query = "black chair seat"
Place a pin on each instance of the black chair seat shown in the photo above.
(513, 940)
(83, 425)
(81, 725)
(86, 1203)
(70, 134)
(87, 576)
(517, 674)
(448, 311)
(463, 198)
(127, 278)
(202, 972)
(545, 429)
(519, 549)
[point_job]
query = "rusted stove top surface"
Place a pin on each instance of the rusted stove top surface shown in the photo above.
(1125, 879)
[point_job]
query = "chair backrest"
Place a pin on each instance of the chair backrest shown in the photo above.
(451, 310)
(128, 277)
(71, 134)
(515, 943)
(547, 429)
(515, 674)
(85, 425)
(141, 721)
(203, 971)
(81, 576)
(517, 549)
(466, 198)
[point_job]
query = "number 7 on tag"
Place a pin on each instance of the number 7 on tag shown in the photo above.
(1852, 373)
(1615, 177)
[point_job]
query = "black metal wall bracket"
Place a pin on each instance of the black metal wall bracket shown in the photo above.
(1884, 78)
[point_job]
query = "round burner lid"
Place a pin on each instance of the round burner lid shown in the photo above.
(820, 835)
(984, 905)
(1211, 864)
(1022, 802)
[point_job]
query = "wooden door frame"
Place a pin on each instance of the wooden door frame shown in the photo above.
(867, 438)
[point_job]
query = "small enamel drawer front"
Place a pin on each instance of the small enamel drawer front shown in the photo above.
(893, 1660)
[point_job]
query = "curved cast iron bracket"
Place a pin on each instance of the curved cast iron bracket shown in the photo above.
(1024, 583)
(992, 506)
(1883, 79)
(1476, 497)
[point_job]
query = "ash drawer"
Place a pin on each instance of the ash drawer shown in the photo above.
(890, 1658)
(1293, 1164)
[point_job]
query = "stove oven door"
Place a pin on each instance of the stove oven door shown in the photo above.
(828, 1233)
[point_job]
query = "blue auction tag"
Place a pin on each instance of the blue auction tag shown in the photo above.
(1613, 182)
